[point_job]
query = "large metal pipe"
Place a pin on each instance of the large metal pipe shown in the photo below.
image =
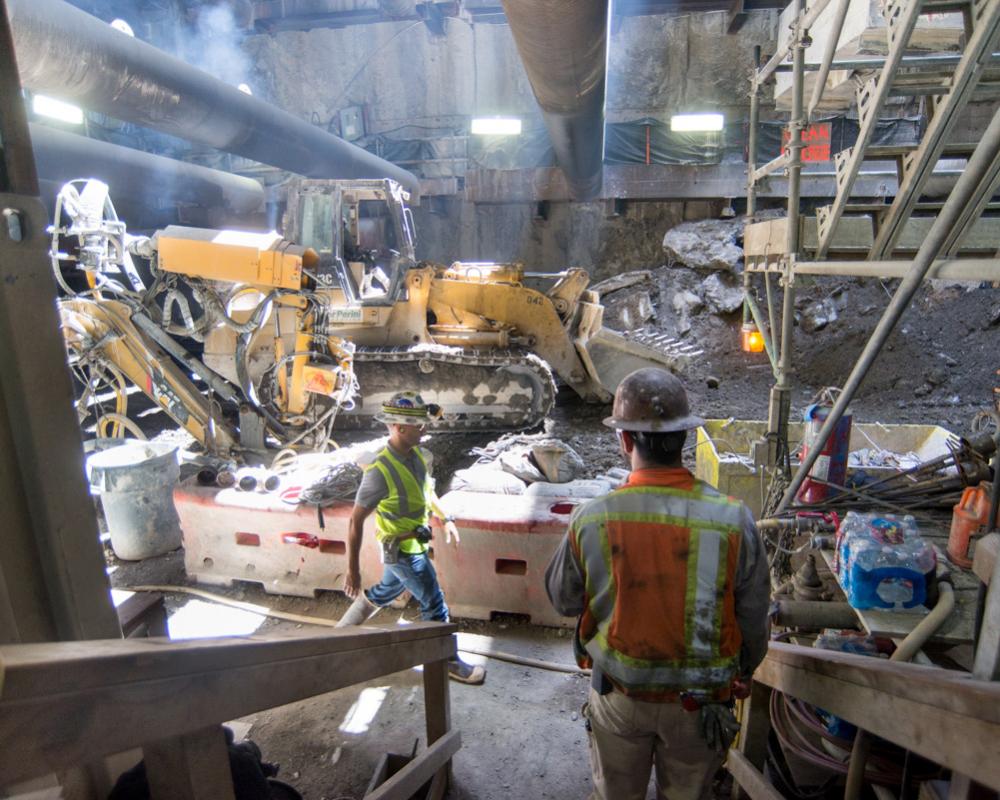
(563, 46)
(62, 157)
(67, 53)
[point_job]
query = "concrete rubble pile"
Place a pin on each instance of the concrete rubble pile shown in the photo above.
(699, 283)
(533, 465)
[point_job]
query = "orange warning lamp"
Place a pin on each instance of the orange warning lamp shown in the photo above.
(751, 339)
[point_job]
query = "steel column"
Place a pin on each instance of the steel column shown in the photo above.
(779, 408)
(752, 166)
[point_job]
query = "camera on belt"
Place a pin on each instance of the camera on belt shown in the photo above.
(422, 533)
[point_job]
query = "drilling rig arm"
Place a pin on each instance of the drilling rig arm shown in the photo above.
(104, 330)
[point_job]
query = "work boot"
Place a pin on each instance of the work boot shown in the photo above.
(360, 612)
(459, 671)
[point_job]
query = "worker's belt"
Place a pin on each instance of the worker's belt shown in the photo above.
(689, 700)
(390, 545)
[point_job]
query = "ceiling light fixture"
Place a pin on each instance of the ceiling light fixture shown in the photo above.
(496, 126)
(697, 123)
(123, 26)
(57, 109)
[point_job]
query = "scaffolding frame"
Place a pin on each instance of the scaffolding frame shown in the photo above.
(945, 250)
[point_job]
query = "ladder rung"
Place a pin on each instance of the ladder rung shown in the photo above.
(865, 208)
(896, 150)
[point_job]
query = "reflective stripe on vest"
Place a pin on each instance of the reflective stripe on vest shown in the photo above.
(406, 506)
(668, 558)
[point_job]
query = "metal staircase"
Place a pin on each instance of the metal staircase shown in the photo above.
(982, 18)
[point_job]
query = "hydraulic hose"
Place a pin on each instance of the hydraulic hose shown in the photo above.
(907, 649)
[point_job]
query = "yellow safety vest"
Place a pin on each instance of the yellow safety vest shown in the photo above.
(407, 504)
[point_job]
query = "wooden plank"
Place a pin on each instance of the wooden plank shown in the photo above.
(750, 778)
(143, 608)
(765, 238)
(405, 783)
(437, 701)
(755, 729)
(916, 707)
(194, 766)
(50, 728)
(951, 269)
(52, 579)
(34, 668)
(439, 786)
(437, 710)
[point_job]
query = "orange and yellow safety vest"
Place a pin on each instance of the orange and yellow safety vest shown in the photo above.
(659, 559)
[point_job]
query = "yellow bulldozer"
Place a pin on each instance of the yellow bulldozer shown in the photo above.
(254, 341)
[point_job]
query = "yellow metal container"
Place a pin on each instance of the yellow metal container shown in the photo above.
(723, 452)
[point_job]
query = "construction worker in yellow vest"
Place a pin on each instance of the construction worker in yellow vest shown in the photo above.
(399, 489)
(670, 583)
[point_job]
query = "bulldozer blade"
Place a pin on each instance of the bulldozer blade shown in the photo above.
(612, 355)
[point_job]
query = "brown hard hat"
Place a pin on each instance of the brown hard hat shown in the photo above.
(653, 400)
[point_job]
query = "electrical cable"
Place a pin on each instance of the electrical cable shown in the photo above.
(332, 623)
(119, 419)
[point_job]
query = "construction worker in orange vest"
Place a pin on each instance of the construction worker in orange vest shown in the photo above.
(670, 582)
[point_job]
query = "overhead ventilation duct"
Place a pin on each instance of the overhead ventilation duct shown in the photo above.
(563, 45)
(62, 157)
(64, 52)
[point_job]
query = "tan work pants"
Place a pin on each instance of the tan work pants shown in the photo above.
(628, 737)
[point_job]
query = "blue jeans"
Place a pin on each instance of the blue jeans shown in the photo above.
(415, 573)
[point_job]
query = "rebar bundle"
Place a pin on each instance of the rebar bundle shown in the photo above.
(935, 483)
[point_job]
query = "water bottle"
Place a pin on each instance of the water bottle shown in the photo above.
(883, 562)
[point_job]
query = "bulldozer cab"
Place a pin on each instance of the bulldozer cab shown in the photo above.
(362, 231)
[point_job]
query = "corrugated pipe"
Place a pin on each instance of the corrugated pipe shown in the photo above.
(564, 49)
(65, 52)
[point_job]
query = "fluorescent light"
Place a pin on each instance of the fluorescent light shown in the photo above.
(697, 122)
(123, 26)
(496, 126)
(57, 109)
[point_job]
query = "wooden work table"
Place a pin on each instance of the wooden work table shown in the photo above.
(67, 704)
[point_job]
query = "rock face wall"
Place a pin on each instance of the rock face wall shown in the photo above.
(417, 85)
(556, 236)
(407, 76)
